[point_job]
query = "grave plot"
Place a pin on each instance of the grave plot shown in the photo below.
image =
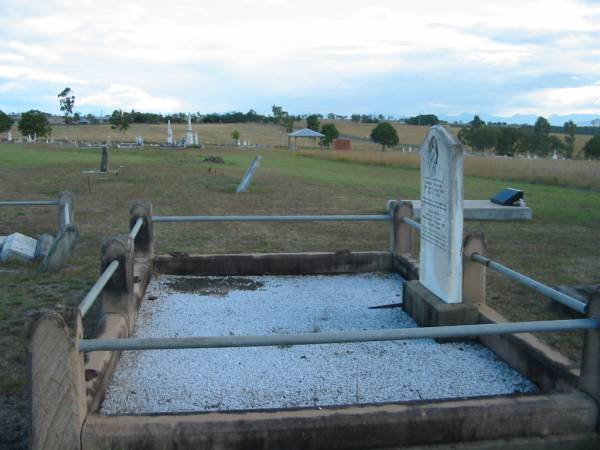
(285, 376)
(281, 350)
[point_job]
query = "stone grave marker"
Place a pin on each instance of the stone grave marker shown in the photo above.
(104, 160)
(18, 247)
(44, 244)
(441, 215)
(61, 250)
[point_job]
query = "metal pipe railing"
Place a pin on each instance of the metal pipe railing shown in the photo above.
(91, 345)
(136, 228)
(67, 215)
(416, 225)
(555, 295)
(100, 283)
(30, 203)
(258, 218)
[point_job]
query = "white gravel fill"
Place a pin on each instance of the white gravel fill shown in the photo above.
(272, 377)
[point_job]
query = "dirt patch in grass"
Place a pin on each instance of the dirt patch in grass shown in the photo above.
(214, 286)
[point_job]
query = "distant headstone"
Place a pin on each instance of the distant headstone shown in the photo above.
(243, 186)
(189, 133)
(18, 247)
(169, 133)
(10, 136)
(440, 268)
(104, 160)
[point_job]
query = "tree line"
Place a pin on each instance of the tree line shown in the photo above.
(512, 140)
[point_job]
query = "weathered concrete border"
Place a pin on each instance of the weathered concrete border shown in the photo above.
(353, 427)
(56, 381)
(274, 263)
(546, 367)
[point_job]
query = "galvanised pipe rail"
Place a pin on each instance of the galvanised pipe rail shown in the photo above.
(66, 214)
(93, 293)
(555, 295)
(91, 345)
(136, 228)
(299, 218)
(416, 225)
(30, 203)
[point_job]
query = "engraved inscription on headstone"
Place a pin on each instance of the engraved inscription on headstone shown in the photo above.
(441, 215)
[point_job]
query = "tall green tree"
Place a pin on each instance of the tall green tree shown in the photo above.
(570, 130)
(510, 141)
(591, 149)
(313, 122)
(539, 142)
(385, 134)
(34, 122)
(542, 126)
(331, 132)
(119, 120)
(66, 99)
(5, 122)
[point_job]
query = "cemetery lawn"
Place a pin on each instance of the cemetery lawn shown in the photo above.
(558, 247)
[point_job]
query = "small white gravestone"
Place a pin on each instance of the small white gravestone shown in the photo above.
(169, 133)
(18, 247)
(189, 133)
(442, 214)
(10, 136)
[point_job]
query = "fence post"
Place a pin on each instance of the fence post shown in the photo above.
(144, 241)
(473, 275)
(56, 378)
(117, 296)
(401, 241)
(589, 380)
(65, 210)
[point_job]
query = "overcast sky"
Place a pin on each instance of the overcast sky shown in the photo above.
(397, 58)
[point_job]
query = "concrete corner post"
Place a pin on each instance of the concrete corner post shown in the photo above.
(589, 380)
(401, 241)
(117, 296)
(473, 274)
(57, 395)
(65, 210)
(144, 241)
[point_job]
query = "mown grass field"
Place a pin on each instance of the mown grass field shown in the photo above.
(557, 247)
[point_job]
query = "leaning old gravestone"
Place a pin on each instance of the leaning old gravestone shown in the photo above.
(441, 215)
(61, 250)
(104, 160)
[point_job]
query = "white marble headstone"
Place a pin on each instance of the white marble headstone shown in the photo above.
(19, 247)
(442, 214)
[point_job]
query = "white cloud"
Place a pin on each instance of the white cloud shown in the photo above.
(130, 97)
(33, 73)
(203, 48)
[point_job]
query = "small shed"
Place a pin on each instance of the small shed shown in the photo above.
(342, 144)
(303, 133)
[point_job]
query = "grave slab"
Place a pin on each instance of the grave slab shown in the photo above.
(483, 210)
(18, 247)
(291, 376)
